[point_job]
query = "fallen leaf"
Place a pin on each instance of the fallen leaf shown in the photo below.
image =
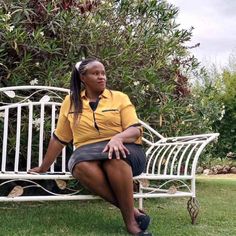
(16, 191)
(172, 190)
(163, 162)
(45, 98)
(144, 182)
(10, 94)
(61, 184)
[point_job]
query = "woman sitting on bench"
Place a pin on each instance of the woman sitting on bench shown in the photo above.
(107, 135)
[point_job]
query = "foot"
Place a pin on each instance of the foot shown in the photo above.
(142, 219)
(133, 228)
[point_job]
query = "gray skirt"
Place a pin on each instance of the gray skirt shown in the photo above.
(136, 159)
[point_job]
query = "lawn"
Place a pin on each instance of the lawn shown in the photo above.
(217, 216)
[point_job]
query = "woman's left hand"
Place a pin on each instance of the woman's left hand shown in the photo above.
(116, 145)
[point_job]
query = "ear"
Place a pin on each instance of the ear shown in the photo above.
(82, 78)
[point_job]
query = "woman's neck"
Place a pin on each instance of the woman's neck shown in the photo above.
(92, 96)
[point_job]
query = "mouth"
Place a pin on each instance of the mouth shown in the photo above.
(102, 82)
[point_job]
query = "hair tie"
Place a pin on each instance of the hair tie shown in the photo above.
(77, 65)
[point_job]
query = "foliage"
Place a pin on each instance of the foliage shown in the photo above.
(208, 108)
(227, 125)
(139, 42)
(215, 95)
(208, 162)
(141, 45)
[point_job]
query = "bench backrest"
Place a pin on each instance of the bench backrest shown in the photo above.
(28, 116)
(27, 119)
(177, 156)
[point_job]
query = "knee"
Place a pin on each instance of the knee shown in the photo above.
(115, 164)
(109, 164)
(79, 170)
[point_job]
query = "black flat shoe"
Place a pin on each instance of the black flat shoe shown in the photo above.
(143, 221)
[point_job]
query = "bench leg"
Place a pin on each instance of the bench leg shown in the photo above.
(140, 203)
(140, 200)
(193, 209)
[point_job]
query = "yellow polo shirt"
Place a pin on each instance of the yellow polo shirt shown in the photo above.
(114, 114)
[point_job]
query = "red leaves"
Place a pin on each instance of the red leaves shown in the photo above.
(86, 6)
(182, 86)
(67, 4)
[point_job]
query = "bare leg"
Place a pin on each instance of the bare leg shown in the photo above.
(120, 177)
(92, 175)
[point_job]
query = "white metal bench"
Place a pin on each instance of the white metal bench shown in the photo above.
(28, 116)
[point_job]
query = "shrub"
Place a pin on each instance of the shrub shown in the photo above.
(141, 45)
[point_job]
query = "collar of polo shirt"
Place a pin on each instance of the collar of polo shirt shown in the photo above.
(106, 94)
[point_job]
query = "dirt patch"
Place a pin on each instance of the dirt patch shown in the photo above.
(220, 176)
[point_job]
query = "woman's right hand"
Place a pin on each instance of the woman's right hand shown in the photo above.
(38, 170)
(54, 149)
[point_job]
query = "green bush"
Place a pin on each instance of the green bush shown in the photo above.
(141, 45)
(227, 124)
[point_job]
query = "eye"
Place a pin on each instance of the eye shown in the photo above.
(97, 73)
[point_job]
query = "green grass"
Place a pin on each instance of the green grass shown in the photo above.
(97, 218)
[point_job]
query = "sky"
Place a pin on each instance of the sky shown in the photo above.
(214, 23)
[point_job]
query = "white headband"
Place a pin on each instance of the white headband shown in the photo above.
(77, 65)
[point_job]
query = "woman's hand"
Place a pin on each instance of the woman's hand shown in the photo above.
(38, 170)
(54, 149)
(116, 145)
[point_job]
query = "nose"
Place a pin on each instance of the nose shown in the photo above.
(102, 76)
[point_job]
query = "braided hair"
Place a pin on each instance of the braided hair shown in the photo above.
(76, 86)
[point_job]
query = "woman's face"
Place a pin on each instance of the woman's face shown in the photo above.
(94, 78)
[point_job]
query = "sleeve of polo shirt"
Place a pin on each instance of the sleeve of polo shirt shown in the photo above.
(63, 132)
(128, 113)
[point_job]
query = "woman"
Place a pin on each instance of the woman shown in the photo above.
(105, 131)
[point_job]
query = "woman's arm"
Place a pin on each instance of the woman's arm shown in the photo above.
(53, 151)
(129, 135)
